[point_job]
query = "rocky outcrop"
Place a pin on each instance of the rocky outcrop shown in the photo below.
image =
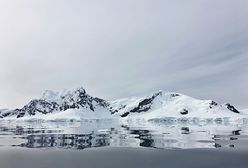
(231, 108)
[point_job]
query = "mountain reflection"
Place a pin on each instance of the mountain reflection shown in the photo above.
(144, 137)
(85, 136)
(73, 141)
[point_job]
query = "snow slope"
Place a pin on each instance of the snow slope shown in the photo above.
(245, 111)
(167, 104)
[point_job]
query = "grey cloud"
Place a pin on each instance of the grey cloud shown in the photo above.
(120, 48)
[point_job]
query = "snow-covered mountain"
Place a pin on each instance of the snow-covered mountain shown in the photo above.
(52, 102)
(77, 104)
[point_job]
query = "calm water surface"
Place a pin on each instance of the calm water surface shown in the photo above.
(97, 143)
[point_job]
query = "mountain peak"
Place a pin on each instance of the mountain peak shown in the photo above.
(53, 96)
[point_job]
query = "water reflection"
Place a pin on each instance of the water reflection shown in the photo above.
(72, 141)
(89, 134)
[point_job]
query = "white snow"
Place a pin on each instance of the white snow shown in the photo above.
(245, 111)
(70, 115)
(65, 95)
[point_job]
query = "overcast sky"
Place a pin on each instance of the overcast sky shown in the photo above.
(118, 48)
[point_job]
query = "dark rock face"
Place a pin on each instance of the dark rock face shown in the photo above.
(19, 112)
(125, 114)
(6, 114)
(231, 108)
(145, 104)
(184, 112)
(41, 106)
(101, 102)
(174, 95)
(212, 104)
(116, 110)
